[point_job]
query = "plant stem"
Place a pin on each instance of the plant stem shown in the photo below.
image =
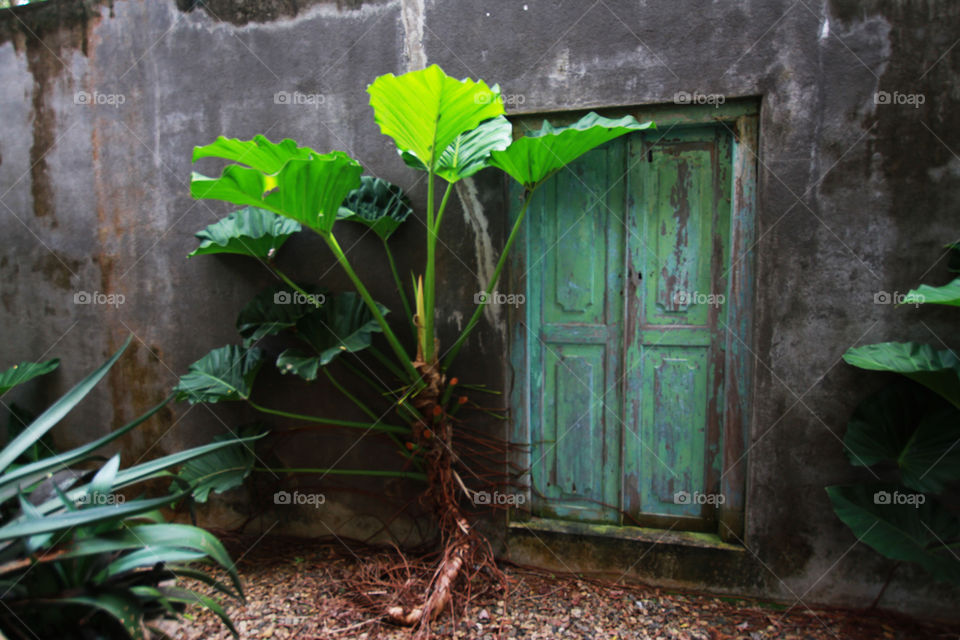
(374, 310)
(403, 295)
(385, 361)
(429, 285)
(389, 428)
(413, 475)
(352, 398)
(475, 318)
(295, 286)
(443, 207)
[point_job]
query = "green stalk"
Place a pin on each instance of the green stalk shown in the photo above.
(443, 207)
(475, 318)
(295, 286)
(403, 295)
(373, 416)
(362, 290)
(385, 361)
(389, 428)
(348, 472)
(429, 285)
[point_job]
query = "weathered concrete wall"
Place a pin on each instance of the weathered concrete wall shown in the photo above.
(855, 197)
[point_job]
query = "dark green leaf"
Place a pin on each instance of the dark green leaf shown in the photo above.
(889, 519)
(931, 460)
(936, 370)
(20, 373)
(220, 470)
(883, 423)
(344, 323)
(299, 363)
(123, 606)
(377, 204)
(250, 231)
(224, 374)
(276, 309)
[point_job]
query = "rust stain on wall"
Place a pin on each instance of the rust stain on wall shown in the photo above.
(47, 34)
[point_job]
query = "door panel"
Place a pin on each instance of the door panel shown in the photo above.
(626, 261)
(575, 340)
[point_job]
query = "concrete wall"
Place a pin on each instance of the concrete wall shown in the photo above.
(855, 197)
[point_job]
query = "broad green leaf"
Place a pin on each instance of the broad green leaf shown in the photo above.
(424, 111)
(939, 371)
(311, 191)
(219, 470)
(912, 428)
(377, 204)
(20, 373)
(299, 363)
(239, 185)
(223, 374)
(470, 152)
(948, 294)
(250, 232)
(931, 460)
(883, 422)
(276, 309)
(56, 412)
(260, 153)
(901, 525)
(538, 155)
(344, 323)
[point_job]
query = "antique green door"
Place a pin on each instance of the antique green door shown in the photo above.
(625, 333)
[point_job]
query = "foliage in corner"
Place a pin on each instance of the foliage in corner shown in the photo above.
(77, 555)
(907, 435)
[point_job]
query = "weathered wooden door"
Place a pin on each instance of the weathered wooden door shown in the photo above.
(625, 333)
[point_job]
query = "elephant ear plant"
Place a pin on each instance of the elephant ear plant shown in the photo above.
(80, 560)
(449, 129)
(908, 435)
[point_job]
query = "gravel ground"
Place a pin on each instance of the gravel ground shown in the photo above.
(307, 589)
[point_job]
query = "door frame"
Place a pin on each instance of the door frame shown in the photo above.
(741, 118)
